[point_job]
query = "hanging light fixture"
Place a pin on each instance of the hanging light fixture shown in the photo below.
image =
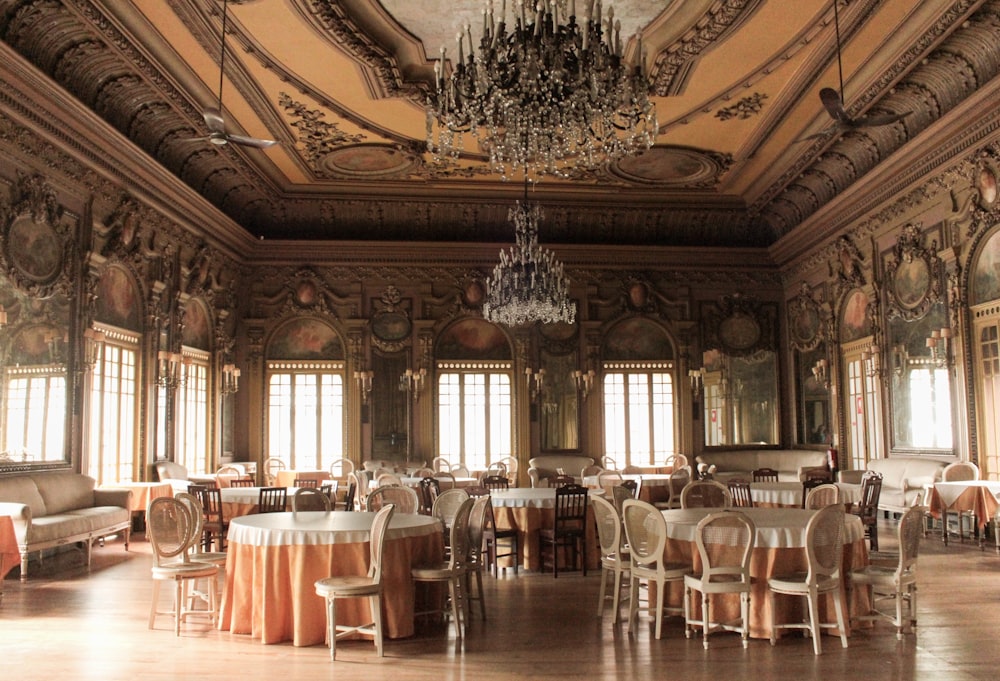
(528, 285)
(546, 97)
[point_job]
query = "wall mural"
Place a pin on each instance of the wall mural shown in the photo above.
(986, 276)
(473, 339)
(117, 300)
(637, 338)
(854, 320)
(305, 339)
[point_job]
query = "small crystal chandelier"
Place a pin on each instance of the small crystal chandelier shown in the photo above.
(529, 284)
(546, 97)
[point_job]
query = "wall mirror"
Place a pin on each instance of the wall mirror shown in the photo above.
(740, 373)
(809, 330)
(35, 340)
(388, 404)
(558, 401)
(920, 346)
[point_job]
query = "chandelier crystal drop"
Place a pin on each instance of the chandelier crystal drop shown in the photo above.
(544, 97)
(528, 285)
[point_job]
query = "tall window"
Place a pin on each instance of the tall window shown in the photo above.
(863, 408)
(36, 412)
(192, 449)
(988, 377)
(113, 403)
(305, 410)
(639, 412)
(475, 412)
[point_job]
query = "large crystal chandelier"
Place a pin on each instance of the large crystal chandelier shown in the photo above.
(545, 97)
(528, 285)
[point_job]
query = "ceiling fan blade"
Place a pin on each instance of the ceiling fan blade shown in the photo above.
(833, 105)
(251, 141)
(213, 120)
(878, 120)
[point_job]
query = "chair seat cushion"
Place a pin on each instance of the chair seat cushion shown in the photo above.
(184, 570)
(74, 523)
(346, 585)
(796, 583)
(434, 572)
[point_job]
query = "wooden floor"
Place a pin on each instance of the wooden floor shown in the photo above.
(66, 623)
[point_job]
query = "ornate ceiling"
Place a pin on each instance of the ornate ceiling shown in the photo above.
(341, 85)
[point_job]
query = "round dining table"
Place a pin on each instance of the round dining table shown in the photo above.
(276, 558)
(239, 501)
(779, 548)
(789, 494)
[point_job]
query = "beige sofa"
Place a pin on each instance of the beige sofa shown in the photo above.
(904, 479)
(54, 509)
(791, 464)
(545, 466)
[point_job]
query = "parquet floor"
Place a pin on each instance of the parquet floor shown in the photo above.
(68, 624)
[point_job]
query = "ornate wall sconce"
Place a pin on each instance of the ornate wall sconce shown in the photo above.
(363, 379)
(696, 377)
(900, 360)
(820, 371)
(170, 375)
(536, 382)
(413, 381)
(57, 345)
(93, 347)
(584, 381)
(3, 317)
(872, 361)
(230, 379)
(939, 345)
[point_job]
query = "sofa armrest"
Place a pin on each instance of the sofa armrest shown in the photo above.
(20, 515)
(852, 477)
(113, 497)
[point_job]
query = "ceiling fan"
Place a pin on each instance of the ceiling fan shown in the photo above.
(833, 102)
(214, 121)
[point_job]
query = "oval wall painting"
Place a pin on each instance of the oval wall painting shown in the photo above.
(854, 319)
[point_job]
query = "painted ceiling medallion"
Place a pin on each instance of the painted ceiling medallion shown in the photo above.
(367, 160)
(678, 166)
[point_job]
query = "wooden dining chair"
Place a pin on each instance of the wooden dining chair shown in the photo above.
(243, 482)
(429, 491)
(272, 499)
(214, 524)
(867, 507)
(764, 475)
(740, 492)
(569, 528)
(404, 498)
(306, 483)
(495, 482)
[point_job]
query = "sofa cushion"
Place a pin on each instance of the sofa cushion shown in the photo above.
(549, 464)
(21, 489)
(65, 491)
(170, 470)
(82, 521)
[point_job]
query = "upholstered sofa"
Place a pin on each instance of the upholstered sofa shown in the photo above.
(178, 477)
(904, 479)
(53, 509)
(545, 466)
(791, 464)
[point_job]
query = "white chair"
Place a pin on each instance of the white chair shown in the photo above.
(825, 555)
(725, 543)
(452, 571)
(170, 529)
(341, 469)
(310, 499)
(360, 479)
(272, 465)
(459, 470)
(957, 472)
(357, 586)
(614, 557)
(479, 523)
(899, 582)
(822, 496)
(405, 499)
(386, 479)
(706, 494)
(646, 533)
(194, 550)
(439, 463)
(679, 479)
(608, 479)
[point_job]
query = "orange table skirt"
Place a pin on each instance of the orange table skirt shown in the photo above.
(270, 595)
(978, 500)
(287, 478)
(764, 563)
(9, 555)
(528, 520)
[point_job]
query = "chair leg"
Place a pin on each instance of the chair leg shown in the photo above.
(660, 588)
(331, 624)
(841, 623)
(745, 614)
(814, 629)
(602, 595)
(633, 606)
(706, 615)
(153, 606)
(376, 605)
(616, 599)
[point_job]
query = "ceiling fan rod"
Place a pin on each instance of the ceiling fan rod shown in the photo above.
(836, 25)
(222, 42)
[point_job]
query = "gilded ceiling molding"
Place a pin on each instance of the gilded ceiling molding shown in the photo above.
(747, 107)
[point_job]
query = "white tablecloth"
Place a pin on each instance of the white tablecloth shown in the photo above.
(789, 494)
(319, 528)
(776, 527)
(529, 497)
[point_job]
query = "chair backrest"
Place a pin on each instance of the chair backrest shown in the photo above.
(310, 499)
(592, 469)
(960, 470)
(312, 483)
(197, 517)
(376, 541)
(619, 493)
(458, 536)
(445, 480)
(511, 466)
(229, 471)
(476, 491)
(809, 484)
(429, 491)
(825, 544)
(352, 490)
(725, 543)
(272, 500)
(609, 463)
(646, 533)
(609, 526)
(330, 488)
(360, 486)
(439, 463)
(739, 490)
(821, 496)
(679, 479)
(706, 494)
(341, 469)
(479, 521)
(676, 461)
(242, 482)
(447, 505)
(404, 498)
(561, 480)
(631, 469)
(633, 485)
(272, 465)
(211, 504)
(871, 490)
(495, 482)
(764, 475)
(388, 479)
(169, 528)
(571, 507)
(817, 473)
(910, 531)
(460, 470)
(607, 479)
(422, 473)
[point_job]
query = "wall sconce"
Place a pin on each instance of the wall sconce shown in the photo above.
(170, 369)
(939, 344)
(230, 379)
(3, 317)
(697, 377)
(363, 379)
(413, 381)
(872, 362)
(56, 344)
(93, 347)
(536, 382)
(820, 372)
(584, 381)
(900, 360)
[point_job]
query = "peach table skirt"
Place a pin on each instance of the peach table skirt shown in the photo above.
(781, 553)
(982, 497)
(142, 492)
(9, 555)
(270, 593)
(286, 478)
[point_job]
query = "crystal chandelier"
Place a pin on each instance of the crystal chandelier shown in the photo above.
(529, 284)
(546, 97)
